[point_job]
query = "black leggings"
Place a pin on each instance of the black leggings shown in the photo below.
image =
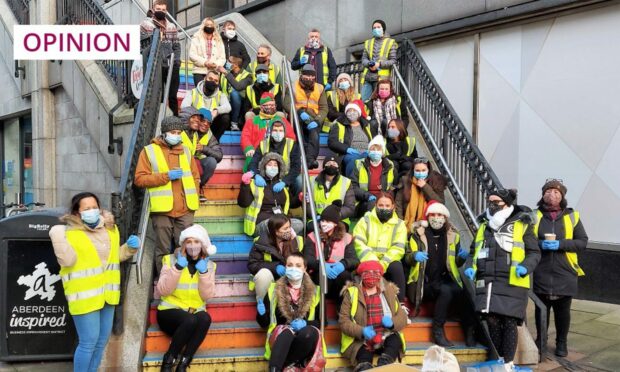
(187, 330)
(448, 295)
(291, 348)
(334, 286)
(392, 346)
(395, 273)
(503, 330)
(561, 313)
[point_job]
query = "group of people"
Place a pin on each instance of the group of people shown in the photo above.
(384, 230)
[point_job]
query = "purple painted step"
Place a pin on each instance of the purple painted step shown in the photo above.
(228, 264)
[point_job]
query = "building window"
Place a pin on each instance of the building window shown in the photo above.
(16, 154)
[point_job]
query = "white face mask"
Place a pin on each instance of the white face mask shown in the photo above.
(230, 33)
(437, 222)
(193, 249)
(327, 226)
(271, 172)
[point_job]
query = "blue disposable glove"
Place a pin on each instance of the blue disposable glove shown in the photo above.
(551, 245)
(181, 260)
(175, 174)
(329, 268)
(420, 256)
(352, 151)
(328, 86)
(279, 186)
(387, 321)
(337, 269)
(281, 270)
(133, 242)
(201, 265)
(260, 181)
(369, 332)
(470, 273)
(304, 59)
(298, 324)
(304, 116)
(312, 125)
(372, 198)
(463, 253)
(521, 271)
(260, 307)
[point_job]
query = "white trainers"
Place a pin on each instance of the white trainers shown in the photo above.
(234, 127)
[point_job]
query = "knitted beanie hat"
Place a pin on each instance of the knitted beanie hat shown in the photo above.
(172, 123)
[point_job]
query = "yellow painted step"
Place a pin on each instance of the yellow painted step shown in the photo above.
(220, 208)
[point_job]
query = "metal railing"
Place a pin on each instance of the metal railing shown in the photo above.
(187, 39)
(20, 10)
(89, 12)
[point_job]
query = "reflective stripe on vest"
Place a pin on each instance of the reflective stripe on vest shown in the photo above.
(251, 212)
(337, 191)
(364, 177)
(570, 221)
(274, 71)
(286, 151)
(303, 101)
(453, 269)
(410, 145)
(162, 199)
(371, 239)
(186, 295)
(198, 100)
(251, 95)
(336, 102)
(338, 248)
(190, 143)
(226, 87)
(384, 52)
(300, 248)
(273, 304)
(346, 340)
(516, 256)
(302, 51)
(341, 131)
(88, 285)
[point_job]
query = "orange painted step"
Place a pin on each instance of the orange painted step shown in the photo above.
(221, 192)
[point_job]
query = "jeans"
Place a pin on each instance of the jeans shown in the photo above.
(349, 163)
(93, 331)
(367, 89)
(208, 167)
(235, 103)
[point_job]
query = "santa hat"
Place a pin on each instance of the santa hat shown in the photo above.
(199, 232)
(434, 206)
(362, 107)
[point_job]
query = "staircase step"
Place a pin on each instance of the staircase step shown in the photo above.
(235, 149)
(236, 244)
(233, 137)
(231, 162)
(221, 225)
(221, 309)
(220, 208)
(231, 263)
(232, 285)
(221, 191)
(228, 176)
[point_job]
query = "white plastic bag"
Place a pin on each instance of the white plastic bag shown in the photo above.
(437, 359)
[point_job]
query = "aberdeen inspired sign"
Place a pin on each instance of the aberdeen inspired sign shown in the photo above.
(81, 42)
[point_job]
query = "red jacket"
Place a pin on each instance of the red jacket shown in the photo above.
(254, 131)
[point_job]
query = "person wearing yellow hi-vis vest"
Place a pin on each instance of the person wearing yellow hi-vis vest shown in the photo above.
(317, 54)
(381, 236)
(378, 57)
(290, 312)
(233, 81)
(561, 236)
(401, 148)
(167, 170)
(371, 319)
(433, 258)
(505, 253)
(89, 253)
(186, 282)
(338, 98)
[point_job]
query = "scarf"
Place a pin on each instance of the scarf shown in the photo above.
(553, 211)
(388, 109)
(415, 208)
(498, 219)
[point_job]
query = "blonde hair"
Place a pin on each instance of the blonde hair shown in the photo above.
(347, 95)
(216, 33)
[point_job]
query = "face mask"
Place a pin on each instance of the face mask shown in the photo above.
(331, 171)
(315, 44)
(271, 172)
(90, 216)
(262, 78)
(208, 30)
(370, 279)
(173, 139)
(384, 214)
(344, 85)
(494, 208)
(269, 110)
(393, 132)
(307, 83)
(261, 60)
(437, 222)
(377, 32)
(230, 33)
(209, 87)
(384, 94)
(193, 249)
(327, 226)
(294, 274)
(277, 136)
(353, 115)
(160, 15)
(285, 236)
(375, 155)
(420, 175)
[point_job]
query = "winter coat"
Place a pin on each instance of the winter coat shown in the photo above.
(397, 153)
(294, 166)
(348, 204)
(504, 298)
(318, 63)
(170, 275)
(287, 311)
(433, 190)
(213, 149)
(316, 116)
(354, 327)
(198, 52)
(554, 275)
(350, 260)
(234, 47)
(145, 178)
(340, 148)
(223, 107)
(259, 89)
(362, 195)
(255, 130)
(256, 259)
(169, 42)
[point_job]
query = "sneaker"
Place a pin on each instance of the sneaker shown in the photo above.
(234, 126)
(202, 199)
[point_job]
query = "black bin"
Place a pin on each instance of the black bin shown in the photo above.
(34, 314)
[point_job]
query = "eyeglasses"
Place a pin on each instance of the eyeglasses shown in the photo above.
(420, 160)
(554, 180)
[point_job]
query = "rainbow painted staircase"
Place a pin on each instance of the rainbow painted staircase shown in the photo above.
(235, 342)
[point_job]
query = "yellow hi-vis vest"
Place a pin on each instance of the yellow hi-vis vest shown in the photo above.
(414, 272)
(162, 199)
(364, 176)
(186, 295)
(346, 340)
(570, 221)
(190, 143)
(273, 304)
(226, 87)
(341, 131)
(88, 285)
(274, 71)
(333, 96)
(251, 212)
(384, 53)
(337, 191)
(286, 151)
(376, 241)
(410, 145)
(302, 51)
(251, 95)
(516, 256)
(267, 258)
(198, 101)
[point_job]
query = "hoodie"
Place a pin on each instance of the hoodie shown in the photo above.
(223, 108)
(294, 166)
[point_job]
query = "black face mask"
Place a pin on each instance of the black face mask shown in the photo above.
(209, 87)
(331, 171)
(209, 30)
(384, 214)
(261, 60)
(160, 15)
(307, 83)
(494, 208)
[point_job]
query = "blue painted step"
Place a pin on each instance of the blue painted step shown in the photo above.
(232, 244)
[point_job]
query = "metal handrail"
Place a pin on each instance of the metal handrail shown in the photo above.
(307, 188)
(187, 38)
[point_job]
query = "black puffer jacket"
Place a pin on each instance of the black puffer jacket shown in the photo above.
(256, 258)
(340, 148)
(234, 47)
(554, 274)
(503, 298)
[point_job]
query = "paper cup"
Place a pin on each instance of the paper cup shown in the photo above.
(549, 236)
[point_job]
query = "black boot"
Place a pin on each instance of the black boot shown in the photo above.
(362, 367)
(439, 337)
(561, 349)
(313, 164)
(168, 363)
(470, 336)
(183, 364)
(384, 360)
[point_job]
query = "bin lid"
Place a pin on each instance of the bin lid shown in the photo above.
(33, 224)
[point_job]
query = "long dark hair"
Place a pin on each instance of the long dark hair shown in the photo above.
(274, 224)
(402, 131)
(77, 198)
